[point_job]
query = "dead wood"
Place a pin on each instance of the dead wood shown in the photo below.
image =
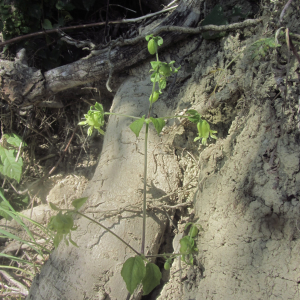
(25, 86)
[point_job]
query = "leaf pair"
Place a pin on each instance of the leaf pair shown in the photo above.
(135, 272)
(137, 125)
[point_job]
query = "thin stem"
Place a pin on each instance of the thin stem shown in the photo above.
(145, 173)
(173, 117)
(145, 189)
(165, 254)
(114, 114)
(120, 239)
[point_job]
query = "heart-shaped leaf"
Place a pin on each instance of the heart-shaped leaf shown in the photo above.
(133, 272)
(152, 278)
(137, 125)
(158, 123)
(77, 203)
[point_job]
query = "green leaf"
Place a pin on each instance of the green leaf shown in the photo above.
(165, 69)
(61, 223)
(167, 266)
(10, 167)
(14, 140)
(158, 123)
(77, 203)
(187, 225)
(4, 206)
(90, 130)
(72, 242)
(154, 97)
(137, 125)
(53, 206)
(204, 131)
(47, 24)
(83, 123)
(193, 231)
(99, 107)
(155, 64)
(195, 117)
(151, 279)
(148, 37)
(162, 84)
(4, 199)
(133, 272)
(159, 41)
(187, 245)
(152, 46)
(57, 239)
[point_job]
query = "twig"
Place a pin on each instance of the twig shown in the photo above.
(171, 221)
(294, 50)
(76, 43)
(180, 190)
(106, 21)
(287, 36)
(180, 29)
(63, 154)
(39, 33)
(9, 278)
(284, 9)
(17, 247)
(171, 3)
(177, 205)
(140, 3)
(110, 70)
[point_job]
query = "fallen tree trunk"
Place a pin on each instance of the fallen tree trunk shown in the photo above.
(23, 85)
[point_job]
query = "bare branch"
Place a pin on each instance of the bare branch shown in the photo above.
(39, 33)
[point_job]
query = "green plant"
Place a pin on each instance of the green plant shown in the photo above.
(261, 47)
(138, 269)
(26, 16)
(11, 165)
(9, 213)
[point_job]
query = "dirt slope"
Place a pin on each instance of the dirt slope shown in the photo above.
(247, 196)
(249, 181)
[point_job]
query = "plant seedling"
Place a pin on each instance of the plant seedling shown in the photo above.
(138, 269)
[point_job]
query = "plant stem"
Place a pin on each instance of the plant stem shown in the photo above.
(120, 239)
(145, 190)
(165, 254)
(107, 113)
(145, 172)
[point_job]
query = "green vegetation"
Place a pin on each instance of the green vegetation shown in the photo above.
(11, 165)
(138, 269)
(9, 213)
